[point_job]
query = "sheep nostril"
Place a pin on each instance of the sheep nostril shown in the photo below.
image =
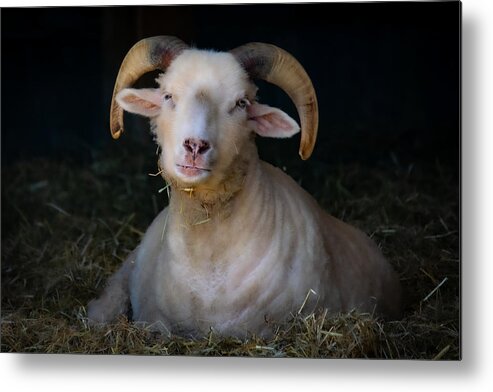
(205, 146)
(196, 146)
(189, 146)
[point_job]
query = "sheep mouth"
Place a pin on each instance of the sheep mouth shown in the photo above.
(192, 171)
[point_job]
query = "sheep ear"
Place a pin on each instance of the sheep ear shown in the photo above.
(145, 101)
(271, 122)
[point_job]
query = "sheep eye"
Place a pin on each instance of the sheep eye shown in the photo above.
(167, 96)
(242, 103)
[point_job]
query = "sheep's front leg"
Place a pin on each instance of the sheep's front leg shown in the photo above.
(115, 299)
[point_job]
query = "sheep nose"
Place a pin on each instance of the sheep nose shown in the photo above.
(196, 146)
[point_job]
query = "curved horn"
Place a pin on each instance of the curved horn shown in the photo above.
(145, 56)
(275, 65)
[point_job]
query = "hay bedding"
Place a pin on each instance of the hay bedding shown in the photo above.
(66, 227)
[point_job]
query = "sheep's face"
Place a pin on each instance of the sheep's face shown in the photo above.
(204, 114)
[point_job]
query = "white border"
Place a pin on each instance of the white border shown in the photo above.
(86, 373)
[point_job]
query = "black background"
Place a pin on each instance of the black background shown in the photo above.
(387, 75)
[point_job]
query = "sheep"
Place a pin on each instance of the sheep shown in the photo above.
(241, 246)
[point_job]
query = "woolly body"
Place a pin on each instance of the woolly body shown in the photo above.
(241, 244)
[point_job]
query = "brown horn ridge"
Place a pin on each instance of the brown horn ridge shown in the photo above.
(145, 56)
(276, 66)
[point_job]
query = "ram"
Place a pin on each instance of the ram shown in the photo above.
(241, 245)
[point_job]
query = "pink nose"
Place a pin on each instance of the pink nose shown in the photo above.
(196, 146)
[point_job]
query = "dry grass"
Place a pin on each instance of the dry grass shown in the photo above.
(66, 228)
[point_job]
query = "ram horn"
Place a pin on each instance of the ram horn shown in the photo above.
(276, 66)
(146, 55)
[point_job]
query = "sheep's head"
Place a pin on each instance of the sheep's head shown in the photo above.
(204, 111)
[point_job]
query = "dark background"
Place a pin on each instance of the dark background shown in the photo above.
(387, 75)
